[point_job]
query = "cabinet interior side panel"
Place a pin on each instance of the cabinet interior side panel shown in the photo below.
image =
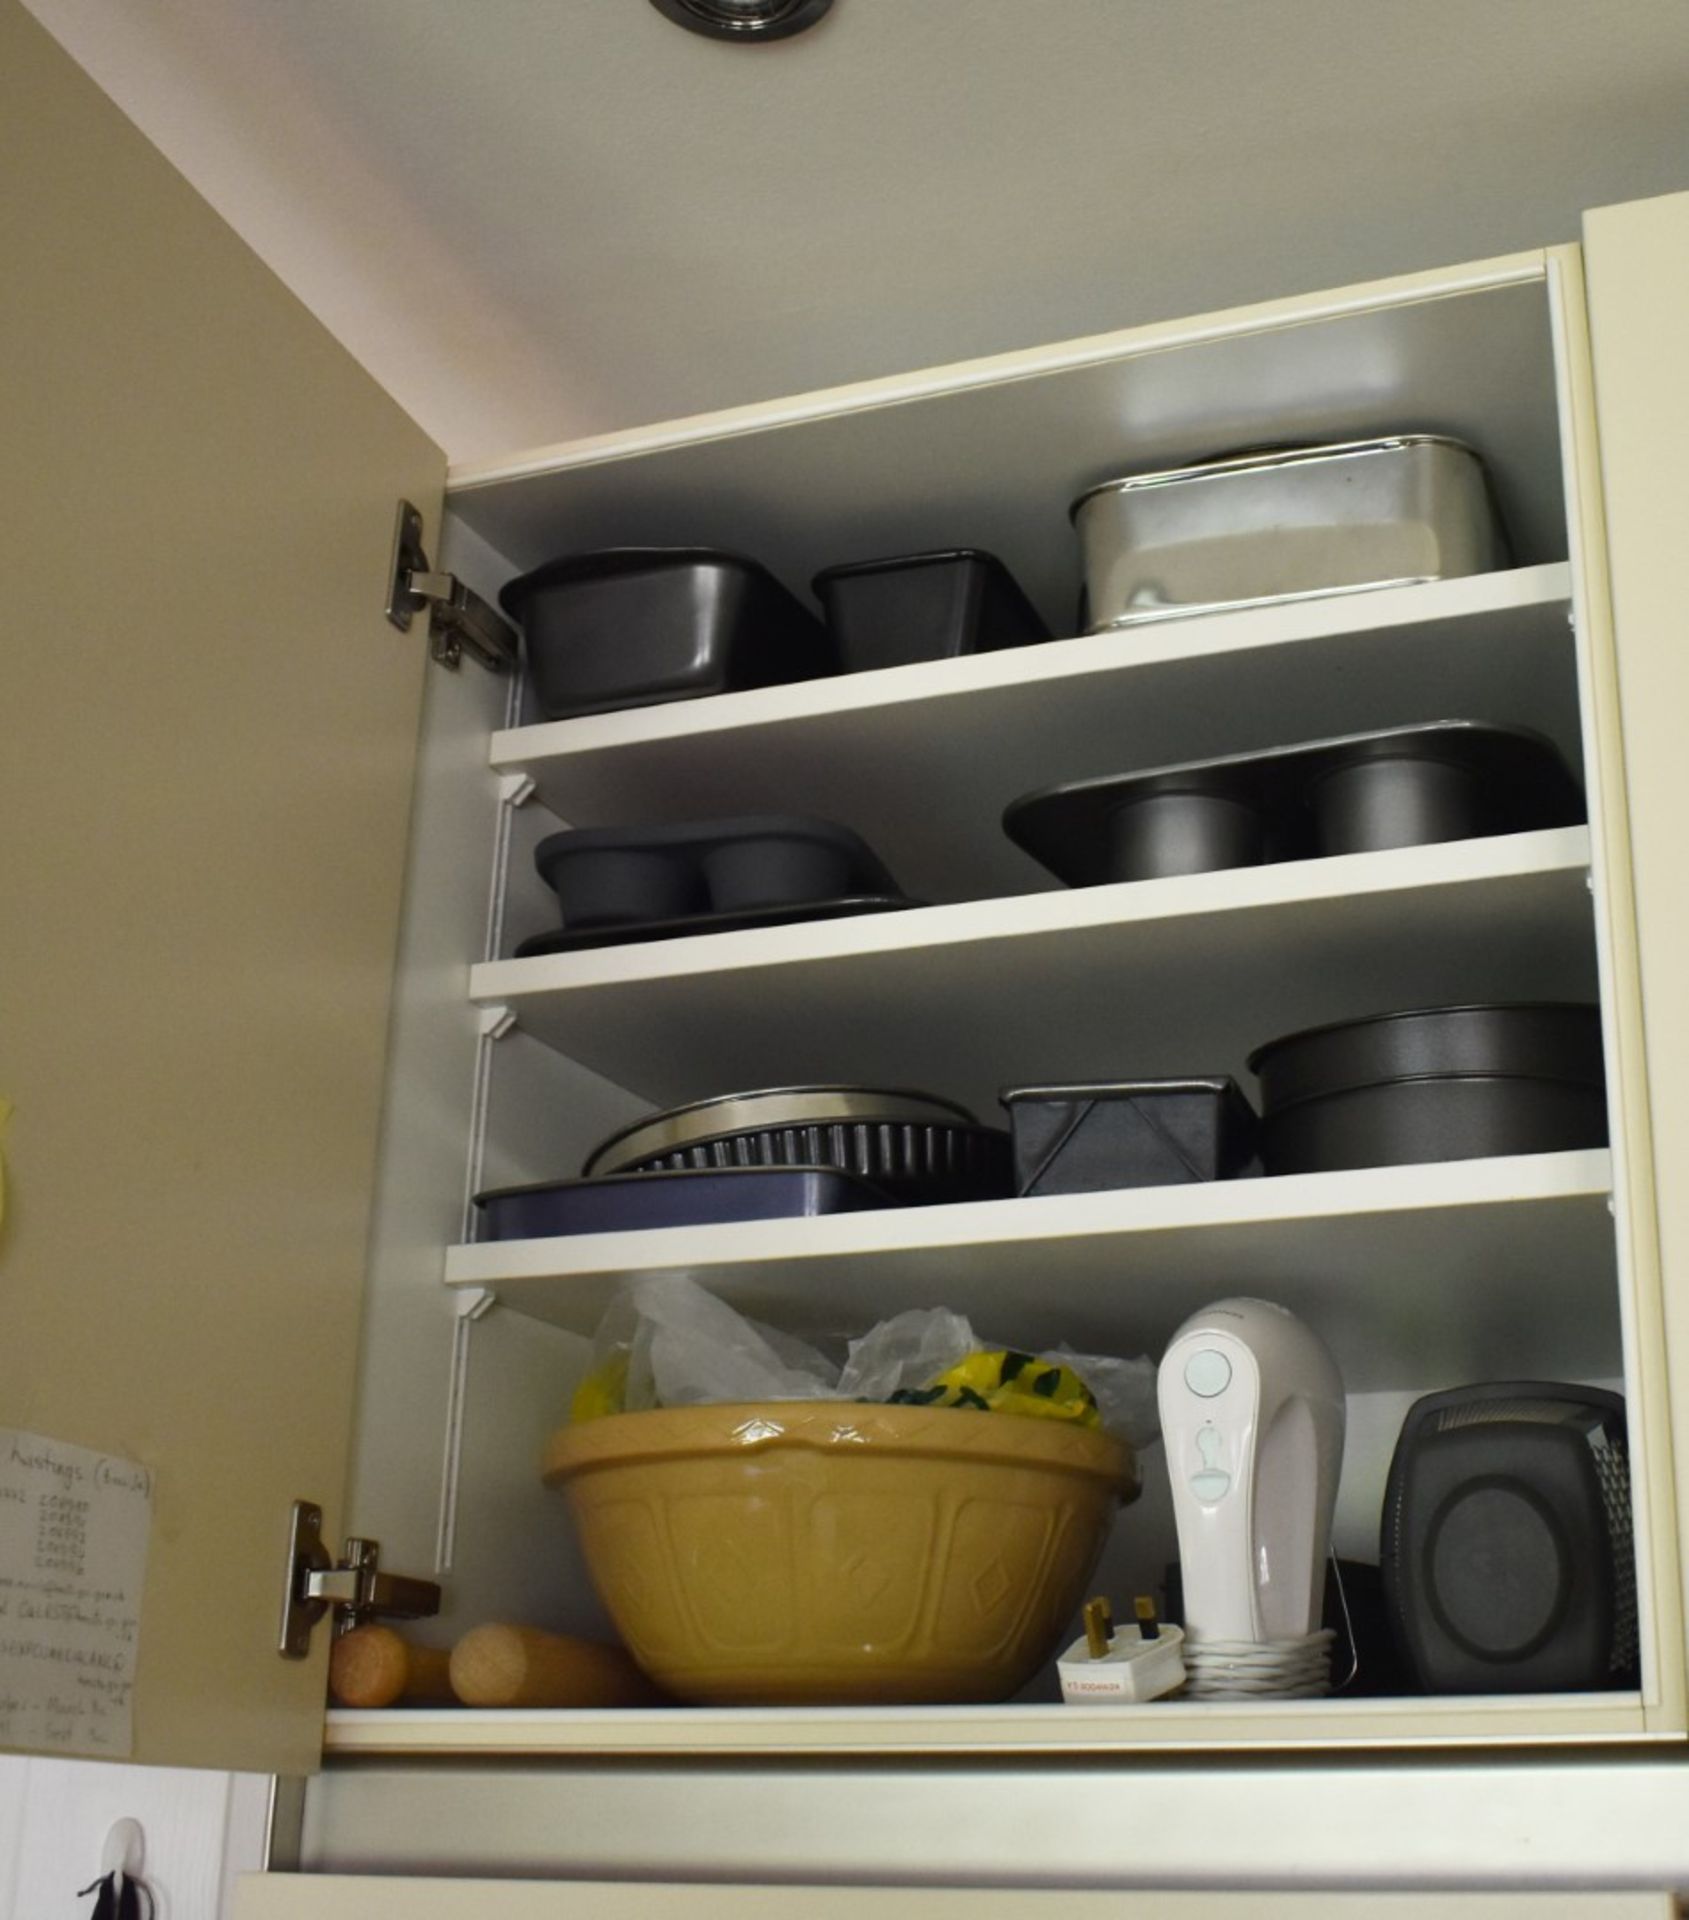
(402, 1436)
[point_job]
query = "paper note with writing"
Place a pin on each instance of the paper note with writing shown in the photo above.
(73, 1552)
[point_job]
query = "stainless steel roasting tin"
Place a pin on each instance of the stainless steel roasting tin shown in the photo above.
(1286, 524)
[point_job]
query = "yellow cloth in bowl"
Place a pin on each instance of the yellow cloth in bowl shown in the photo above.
(999, 1380)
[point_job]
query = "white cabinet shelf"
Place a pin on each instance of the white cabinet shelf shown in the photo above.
(1415, 1275)
(922, 759)
(1040, 1727)
(1155, 977)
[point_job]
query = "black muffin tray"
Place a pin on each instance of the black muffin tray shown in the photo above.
(617, 884)
(925, 606)
(632, 1202)
(1360, 793)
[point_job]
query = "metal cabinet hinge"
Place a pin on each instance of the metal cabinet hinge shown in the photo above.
(459, 620)
(356, 1589)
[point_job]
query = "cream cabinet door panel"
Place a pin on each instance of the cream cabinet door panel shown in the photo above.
(1637, 266)
(207, 731)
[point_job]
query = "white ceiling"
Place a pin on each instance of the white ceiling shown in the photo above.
(534, 219)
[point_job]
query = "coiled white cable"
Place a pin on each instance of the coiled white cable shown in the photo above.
(1298, 1669)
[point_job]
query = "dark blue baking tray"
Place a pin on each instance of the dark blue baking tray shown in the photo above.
(627, 1202)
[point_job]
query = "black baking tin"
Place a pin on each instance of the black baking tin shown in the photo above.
(925, 606)
(1438, 1083)
(1095, 1135)
(636, 626)
(701, 877)
(1360, 793)
(628, 1202)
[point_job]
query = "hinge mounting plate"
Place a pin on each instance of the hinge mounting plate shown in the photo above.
(356, 1589)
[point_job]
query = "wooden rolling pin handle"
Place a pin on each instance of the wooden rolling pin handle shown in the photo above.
(502, 1666)
(375, 1667)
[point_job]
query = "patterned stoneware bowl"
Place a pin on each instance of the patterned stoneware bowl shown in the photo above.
(819, 1551)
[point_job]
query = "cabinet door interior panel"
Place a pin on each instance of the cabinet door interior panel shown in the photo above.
(1638, 284)
(209, 732)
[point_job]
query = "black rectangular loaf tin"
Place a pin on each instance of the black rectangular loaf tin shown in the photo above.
(1089, 1137)
(636, 626)
(925, 606)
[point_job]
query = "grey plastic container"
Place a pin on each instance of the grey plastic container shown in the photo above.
(1291, 523)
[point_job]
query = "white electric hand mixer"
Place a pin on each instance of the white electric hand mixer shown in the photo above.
(1252, 1416)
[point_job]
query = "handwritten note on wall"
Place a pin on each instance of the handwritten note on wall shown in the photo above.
(73, 1553)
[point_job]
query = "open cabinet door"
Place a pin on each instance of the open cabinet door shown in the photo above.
(1637, 265)
(207, 731)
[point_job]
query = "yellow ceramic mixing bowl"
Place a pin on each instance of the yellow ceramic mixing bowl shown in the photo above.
(822, 1551)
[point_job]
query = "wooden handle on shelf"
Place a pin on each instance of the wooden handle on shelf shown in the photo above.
(502, 1666)
(375, 1667)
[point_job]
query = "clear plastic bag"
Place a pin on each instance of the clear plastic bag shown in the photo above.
(664, 1341)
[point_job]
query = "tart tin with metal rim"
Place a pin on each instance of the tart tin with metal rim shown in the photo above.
(923, 1149)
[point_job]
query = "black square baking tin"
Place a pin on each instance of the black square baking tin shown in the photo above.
(1090, 1136)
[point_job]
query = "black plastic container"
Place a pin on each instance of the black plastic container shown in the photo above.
(1507, 1552)
(1102, 1134)
(656, 881)
(1438, 1083)
(1360, 793)
(636, 626)
(925, 606)
(629, 1202)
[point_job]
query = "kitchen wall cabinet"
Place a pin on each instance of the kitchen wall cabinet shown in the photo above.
(502, 1069)
(1419, 1276)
